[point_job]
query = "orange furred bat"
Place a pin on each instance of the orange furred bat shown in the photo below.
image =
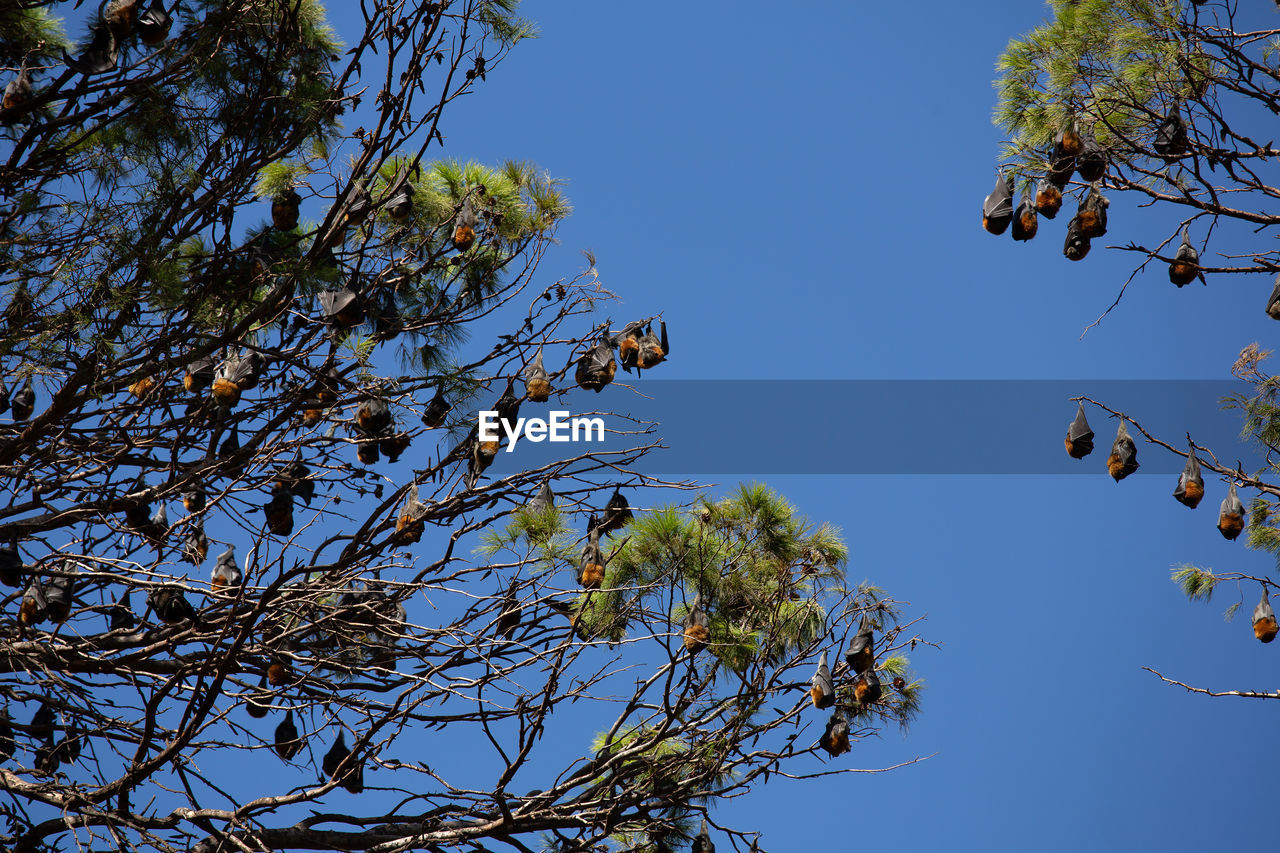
(822, 691)
(997, 208)
(596, 366)
(1190, 488)
(1079, 438)
(591, 566)
(226, 575)
(464, 227)
(409, 524)
(835, 739)
(1185, 265)
(1123, 460)
(537, 382)
(697, 627)
(1264, 619)
(1231, 515)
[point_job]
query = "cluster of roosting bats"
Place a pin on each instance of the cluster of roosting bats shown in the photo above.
(1189, 491)
(863, 689)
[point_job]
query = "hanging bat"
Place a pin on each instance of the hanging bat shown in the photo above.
(1048, 198)
(4, 397)
(1068, 141)
(1273, 308)
(628, 344)
(997, 208)
(1231, 515)
(287, 742)
(591, 567)
(508, 405)
(545, 499)
(343, 308)
(18, 92)
(1079, 440)
(479, 456)
(1092, 161)
(373, 415)
(285, 210)
(1190, 488)
(1171, 135)
(59, 595)
(861, 652)
(1185, 265)
(823, 692)
(153, 25)
(697, 627)
(237, 374)
(1123, 460)
(24, 401)
(537, 382)
(409, 525)
(464, 227)
(867, 689)
(170, 606)
(1025, 222)
(437, 410)
(99, 56)
(44, 723)
(279, 510)
(1092, 213)
(194, 499)
(7, 742)
(702, 841)
(121, 16)
(653, 349)
(199, 375)
(1061, 167)
(295, 478)
(400, 206)
(256, 705)
(617, 513)
(835, 739)
(11, 567)
(146, 382)
(1264, 619)
(122, 617)
(279, 672)
(509, 618)
(353, 776)
(392, 446)
(32, 610)
(1076, 245)
(196, 546)
(596, 367)
(226, 575)
(157, 527)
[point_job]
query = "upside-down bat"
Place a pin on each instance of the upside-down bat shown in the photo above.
(1231, 514)
(153, 24)
(861, 652)
(596, 367)
(196, 546)
(236, 375)
(4, 397)
(122, 617)
(1190, 488)
(1025, 222)
(997, 208)
(653, 349)
(59, 595)
(1048, 198)
(628, 343)
(537, 382)
(617, 512)
(199, 374)
(464, 227)
(171, 606)
(394, 445)
(823, 692)
(256, 704)
(697, 627)
(226, 575)
(353, 775)
(24, 401)
(409, 524)
(99, 56)
(143, 385)
(866, 688)
(1264, 619)
(10, 564)
(591, 566)
(194, 499)
(279, 510)
(344, 308)
(157, 526)
(1092, 213)
(17, 92)
(479, 456)
(1123, 460)
(1091, 163)
(835, 739)
(7, 743)
(1076, 245)
(121, 16)
(285, 209)
(1061, 167)
(543, 500)
(702, 841)
(1185, 265)
(287, 743)
(1068, 140)
(1079, 440)
(373, 415)
(32, 609)
(437, 410)
(279, 672)
(1273, 305)
(1171, 135)
(400, 206)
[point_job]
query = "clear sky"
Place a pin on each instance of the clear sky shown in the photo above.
(798, 188)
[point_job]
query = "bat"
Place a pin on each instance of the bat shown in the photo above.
(99, 56)
(508, 405)
(121, 16)
(822, 691)
(591, 567)
(1091, 163)
(194, 499)
(997, 208)
(1068, 141)
(279, 673)
(59, 595)
(616, 513)
(653, 349)
(199, 375)
(409, 525)
(237, 374)
(1185, 265)
(537, 382)
(702, 841)
(7, 743)
(400, 206)
(1092, 213)
(1076, 245)
(122, 616)
(138, 515)
(479, 456)
(1061, 167)
(1123, 460)
(44, 723)
(1171, 135)
(392, 446)
(256, 705)
(196, 546)
(628, 344)
(157, 527)
(596, 367)
(1190, 488)
(32, 610)
(146, 382)
(1273, 305)
(295, 477)
(697, 627)
(509, 618)
(4, 397)
(24, 401)
(464, 227)
(11, 567)
(17, 93)
(867, 689)
(367, 451)
(545, 499)
(1048, 198)
(230, 447)
(861, 652)
(171, 606)
(387, 322)
(1025, 221)
(373, 415)
(437, 410)
(279, 510)
(1231, 515)
(284, 210)
(1079, 440)
(344, 308)
(287, 742)
(352, 777)
(153, 24)
(835, 739)
(68, 750)
(1264, 619)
